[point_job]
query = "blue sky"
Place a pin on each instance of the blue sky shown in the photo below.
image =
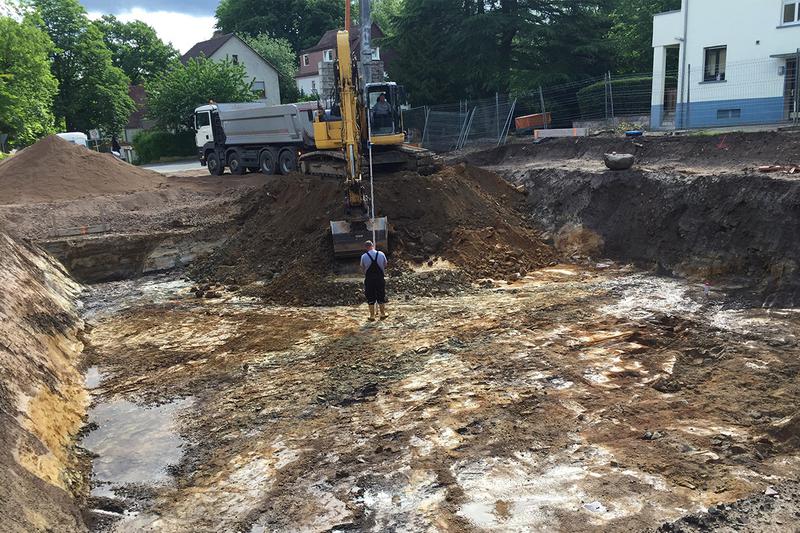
(181, 22)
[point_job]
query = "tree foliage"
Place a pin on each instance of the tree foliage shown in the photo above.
(631, 34)
(173, 96)
(135, 48)
(301, 22)
(451, 49)
(27, 87)
(93, 93)
(279, 52)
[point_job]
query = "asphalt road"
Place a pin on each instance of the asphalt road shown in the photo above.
(175, 166)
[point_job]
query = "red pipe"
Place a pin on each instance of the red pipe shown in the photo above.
(347, 15)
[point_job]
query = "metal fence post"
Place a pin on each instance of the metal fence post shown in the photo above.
(686, 122)
(497, 113)
(796, 88)
(544, 111)
(605, 94)
(425, 127)
(611, 99)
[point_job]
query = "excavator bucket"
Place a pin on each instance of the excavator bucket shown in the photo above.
(349, 236)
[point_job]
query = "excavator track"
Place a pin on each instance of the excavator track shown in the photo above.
(329, 163)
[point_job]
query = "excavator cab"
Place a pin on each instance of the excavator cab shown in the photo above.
(384, 103)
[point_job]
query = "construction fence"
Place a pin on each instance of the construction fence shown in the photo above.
(737, 94)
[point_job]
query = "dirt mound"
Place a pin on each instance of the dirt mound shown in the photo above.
(54, 169)
(465, 216)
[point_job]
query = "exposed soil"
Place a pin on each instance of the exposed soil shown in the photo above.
(42, 400)
(462, 215)
(573, 400)
(55, 169)
(727, 152)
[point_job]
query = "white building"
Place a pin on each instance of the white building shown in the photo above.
(262, 73)
(725, 62)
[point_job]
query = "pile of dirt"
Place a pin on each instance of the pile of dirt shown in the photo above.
(54, 169)
(468, 217)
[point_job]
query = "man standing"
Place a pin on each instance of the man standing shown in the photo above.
(373, 264)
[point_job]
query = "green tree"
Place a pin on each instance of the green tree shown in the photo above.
(383, 13)
(301, 22)
(452, 49)
(279, 52)
(135, 48)
(173, 96)
(93, 93)
(27, 87)
(631, 33)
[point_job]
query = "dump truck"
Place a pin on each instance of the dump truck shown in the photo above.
(253, 136)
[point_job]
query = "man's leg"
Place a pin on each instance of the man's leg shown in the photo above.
(381, 297)
(370, 291)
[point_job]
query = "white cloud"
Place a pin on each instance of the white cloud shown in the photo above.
(180, 29)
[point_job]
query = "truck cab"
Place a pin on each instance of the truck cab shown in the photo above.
(204, 133)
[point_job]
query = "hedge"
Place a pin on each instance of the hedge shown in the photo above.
(632, 96)
(152, 145)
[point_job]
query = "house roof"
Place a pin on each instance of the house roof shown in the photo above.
(207, 48)
(328, 39)
(136, 120)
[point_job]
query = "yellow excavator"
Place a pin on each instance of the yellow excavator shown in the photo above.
(362, 130)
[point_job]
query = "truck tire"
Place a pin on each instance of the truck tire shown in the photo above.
(215, 167)
(287, 161)
(235, 163)
(267, 161)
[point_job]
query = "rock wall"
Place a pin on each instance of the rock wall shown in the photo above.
(42, 398)
(743, 228)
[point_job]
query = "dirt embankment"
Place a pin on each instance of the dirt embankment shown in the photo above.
(743, 228)
(465, 216)
(54, 169)
(42, 400)
(726, 152)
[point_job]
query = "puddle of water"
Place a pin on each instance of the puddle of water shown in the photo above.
(93, 378)
(105, 299)
(134, 444)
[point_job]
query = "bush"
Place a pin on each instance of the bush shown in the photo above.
(153, 145)
(632, 96)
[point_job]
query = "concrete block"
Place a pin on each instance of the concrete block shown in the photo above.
(563, 132)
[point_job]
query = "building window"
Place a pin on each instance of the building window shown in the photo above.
(376, 53)
(305, 60)
(715, 63)
(791, 11)
(327, 56)
(235, 59)
(313, 86)
(723, 114)
(260, 89)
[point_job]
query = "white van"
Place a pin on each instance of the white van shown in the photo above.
(75, 137)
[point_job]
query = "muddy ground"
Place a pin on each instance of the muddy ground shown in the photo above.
(576, 399)
(590, 396)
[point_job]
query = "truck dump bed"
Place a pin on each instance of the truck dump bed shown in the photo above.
(259, 123)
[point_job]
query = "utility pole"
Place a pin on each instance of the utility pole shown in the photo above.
(366, 41)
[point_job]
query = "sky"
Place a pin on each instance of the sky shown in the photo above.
(181, 22)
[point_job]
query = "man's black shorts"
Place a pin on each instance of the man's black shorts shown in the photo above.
(375, 290)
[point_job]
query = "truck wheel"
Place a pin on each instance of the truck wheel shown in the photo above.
(235, 164)
(267, 162)
(215, 168)
(287, 162)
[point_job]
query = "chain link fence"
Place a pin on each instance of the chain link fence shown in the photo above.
(737, 94)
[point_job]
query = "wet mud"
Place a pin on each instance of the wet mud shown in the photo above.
(575, 399)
